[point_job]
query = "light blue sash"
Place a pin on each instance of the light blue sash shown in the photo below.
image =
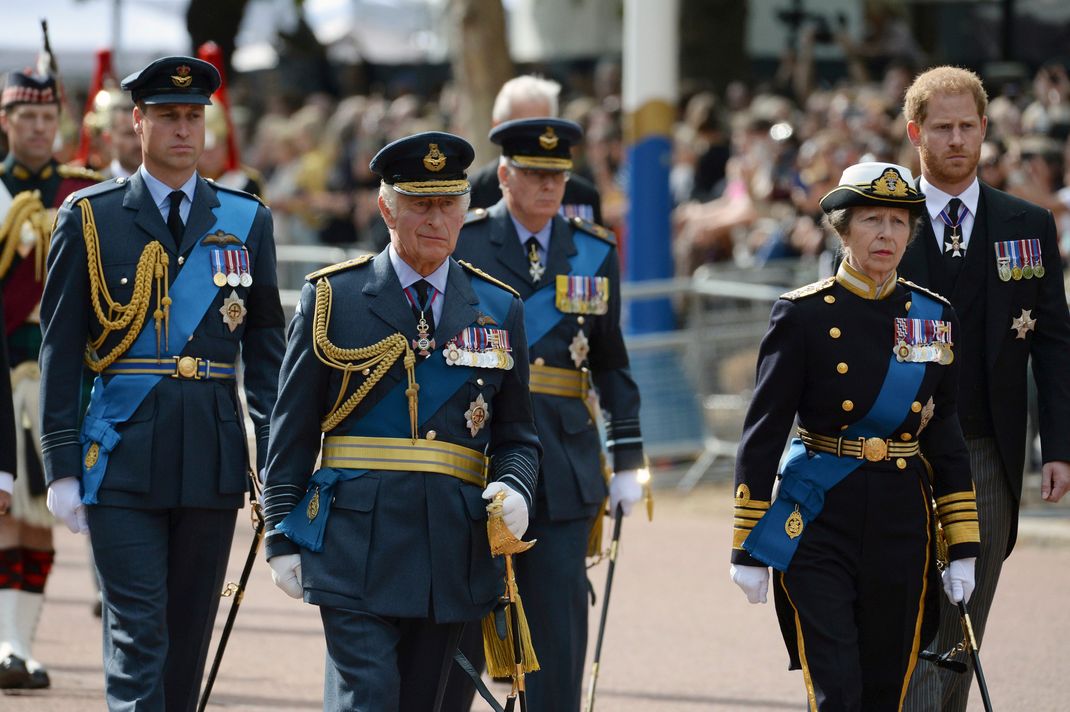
(806, 477)
(191, 294)
(540, 312)
(389, 418)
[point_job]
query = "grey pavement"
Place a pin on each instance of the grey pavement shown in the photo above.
(681, 637)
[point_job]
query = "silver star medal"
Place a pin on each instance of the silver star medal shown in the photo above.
(233, 311)
(955, 246)
(477, 415)
(579, 348)
(1024, 323)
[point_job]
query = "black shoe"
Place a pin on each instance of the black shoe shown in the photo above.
(13, 673)
(38, 680)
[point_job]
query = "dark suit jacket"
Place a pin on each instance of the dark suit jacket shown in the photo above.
(185, 445)
(1006, 356)
(580, 193)
(398, 543)
(572, 483)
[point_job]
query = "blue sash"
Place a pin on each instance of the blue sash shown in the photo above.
(191, 294)
(806, 477)
(540, 313)
(389, 418)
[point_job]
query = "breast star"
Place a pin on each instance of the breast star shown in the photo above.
(1024, 323)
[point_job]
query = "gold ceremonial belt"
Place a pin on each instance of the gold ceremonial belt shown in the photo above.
(872, 449)
(185, 367)
(403, 455)
(564, 382)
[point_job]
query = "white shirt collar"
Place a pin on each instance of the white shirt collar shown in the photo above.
(936, 199)
(161, 192)
(408, 276)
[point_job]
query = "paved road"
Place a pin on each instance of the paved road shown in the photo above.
(682, 638)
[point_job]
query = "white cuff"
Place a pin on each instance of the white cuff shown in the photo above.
(7, 482)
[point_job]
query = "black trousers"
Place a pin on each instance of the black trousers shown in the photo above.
(161, 571)
(377, 664)
(852, 600)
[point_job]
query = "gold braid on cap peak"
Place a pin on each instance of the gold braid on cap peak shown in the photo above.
(381, 356)
(26, 212)
(130, 316)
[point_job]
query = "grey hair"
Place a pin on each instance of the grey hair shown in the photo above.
(526, 87)
(390, 198)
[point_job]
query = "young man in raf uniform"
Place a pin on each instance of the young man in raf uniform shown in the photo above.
(568, 274)
(33, 184)
(415, 368)
(180, 280)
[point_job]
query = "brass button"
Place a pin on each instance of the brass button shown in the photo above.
(479, 381)
(906, 437)
(580, 320)
(841, 367)
(916, 407)
(366, 372)
(829, 299)
(181, 260)
(848, 406)
(907, 305)
(834, 332)
(123, 280)
(431, 435)
(844, 427)
(901, 463)
(540, 361)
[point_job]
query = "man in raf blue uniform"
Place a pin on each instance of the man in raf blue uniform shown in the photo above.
(569, 277)
(415, 368)
(180, 280)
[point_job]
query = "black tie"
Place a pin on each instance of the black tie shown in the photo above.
(535, 265)
(424, 305)
(954, 250)
(174, 217)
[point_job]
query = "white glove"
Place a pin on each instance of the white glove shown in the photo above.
(514, 508)
(754, 580)
(65, 502)
(286, 573)
(958, 579)
(625, 490)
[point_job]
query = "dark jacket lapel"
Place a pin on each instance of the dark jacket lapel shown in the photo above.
(562, 247)
(201, 217)
(148, 216)
(999, 220)
(507, 247)
(385, 297)
(973, 274)
(458, 311)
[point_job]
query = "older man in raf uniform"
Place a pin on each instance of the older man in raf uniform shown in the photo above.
(159, 281)
(569, 277)
(414, 367)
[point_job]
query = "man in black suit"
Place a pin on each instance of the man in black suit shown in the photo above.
(180, 281)
(529, 97)
(996, 258)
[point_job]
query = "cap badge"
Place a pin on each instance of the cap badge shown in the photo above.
(434, 161)
(182, 77)
(890, 183)
(548, 140)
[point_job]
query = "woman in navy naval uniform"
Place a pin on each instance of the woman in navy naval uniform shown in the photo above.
(867, 363)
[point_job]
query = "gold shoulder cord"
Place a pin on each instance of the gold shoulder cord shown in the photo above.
(151, 265)
(26, 208)
(381, 356)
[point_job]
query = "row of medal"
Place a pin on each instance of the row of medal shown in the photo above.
(581, 294)
(1019, 259)
(923, 341)
(480, 347)
(231, 267)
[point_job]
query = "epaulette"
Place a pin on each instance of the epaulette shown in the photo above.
(813, 288)
(235, 191)
(96, 189)
(923, 290)
(480, 273)
(475, 215)
(67, 170)
(339, 267)
(594, 229)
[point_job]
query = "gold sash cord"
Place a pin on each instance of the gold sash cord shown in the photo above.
(404, 455)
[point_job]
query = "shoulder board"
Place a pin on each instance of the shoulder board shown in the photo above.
(595, 229)
(67, 170)
(923, 290)
(475, 215)
(234, 191)
(339, 267)
(480, 273)
(253, 173)
(813, 288)
(96, 189)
